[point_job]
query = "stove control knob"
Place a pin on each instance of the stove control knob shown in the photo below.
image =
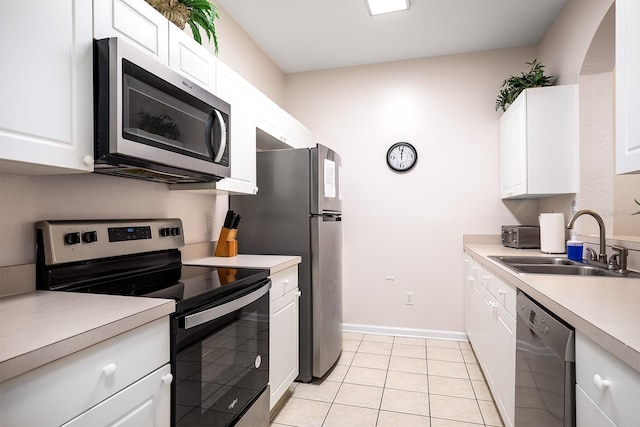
(164, 232)
(175, 231)
(89, 237)
(72, 238)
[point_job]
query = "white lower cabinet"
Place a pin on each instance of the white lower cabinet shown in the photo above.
(608, 383)
(587, 412)
(283, 333)
(491, 328)
(144, 403)
(125, 378)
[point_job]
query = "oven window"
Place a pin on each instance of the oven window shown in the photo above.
(156, 113)
(222, 366)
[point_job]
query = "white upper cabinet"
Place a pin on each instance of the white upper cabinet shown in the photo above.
(191, 59)
(627, 86)
(232, 88)
(134, 21)
(539, 143)
(46, 112)
(276, 122)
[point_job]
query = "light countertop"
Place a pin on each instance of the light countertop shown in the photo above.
(605, 309)
(39, 327)
(273, 263)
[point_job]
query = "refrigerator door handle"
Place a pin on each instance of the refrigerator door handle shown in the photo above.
(327, 216)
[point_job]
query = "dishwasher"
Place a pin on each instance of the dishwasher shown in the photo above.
(545, 367)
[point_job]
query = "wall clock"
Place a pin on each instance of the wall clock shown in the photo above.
(402, 156)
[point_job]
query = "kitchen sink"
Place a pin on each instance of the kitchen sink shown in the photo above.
(534, 260)
(556, 265)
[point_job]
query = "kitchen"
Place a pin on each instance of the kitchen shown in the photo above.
(423, 95)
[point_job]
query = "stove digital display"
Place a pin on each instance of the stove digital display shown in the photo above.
(122, 234)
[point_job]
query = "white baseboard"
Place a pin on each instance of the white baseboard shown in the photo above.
(405, 332)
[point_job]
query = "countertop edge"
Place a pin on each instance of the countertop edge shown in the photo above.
(273, 263)
(613, 345)
(21, 364)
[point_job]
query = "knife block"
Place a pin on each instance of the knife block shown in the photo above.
(227, 244)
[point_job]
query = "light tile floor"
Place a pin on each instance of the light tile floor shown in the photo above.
(388, 381)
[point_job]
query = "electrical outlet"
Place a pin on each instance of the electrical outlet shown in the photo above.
(207, 224)
(408, 298)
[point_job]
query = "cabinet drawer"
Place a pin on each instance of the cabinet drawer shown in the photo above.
(69, 386)
(618, 395)
(283, 281)
(484, 277)
(504, 293)
(145, 403)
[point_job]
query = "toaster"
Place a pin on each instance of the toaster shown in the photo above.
(521, 236)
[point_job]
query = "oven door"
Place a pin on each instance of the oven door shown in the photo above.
(222, 359)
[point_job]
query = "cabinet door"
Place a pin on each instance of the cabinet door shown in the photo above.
(136, 22)
(513, 149)
(46, 114)
(144, 403)
(627, 86)
(191, 59)
(232, 88)
(283, 345)
(588, 414)
(506, 365)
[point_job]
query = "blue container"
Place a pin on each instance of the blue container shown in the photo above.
(574, 250)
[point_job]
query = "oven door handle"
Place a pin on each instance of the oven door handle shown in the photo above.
(224, 309)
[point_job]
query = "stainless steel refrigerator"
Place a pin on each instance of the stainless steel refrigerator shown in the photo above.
(298, 211)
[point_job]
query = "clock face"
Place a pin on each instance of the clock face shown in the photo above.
(402, 156)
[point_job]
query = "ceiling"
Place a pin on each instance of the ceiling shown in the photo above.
(306, 35)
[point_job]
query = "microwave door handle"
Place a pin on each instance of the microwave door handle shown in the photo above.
(224, 309)
(223, 137)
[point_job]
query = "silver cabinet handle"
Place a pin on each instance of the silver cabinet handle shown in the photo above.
(224, 309)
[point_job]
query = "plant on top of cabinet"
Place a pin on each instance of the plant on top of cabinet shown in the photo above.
(514, 85)
(196, 13)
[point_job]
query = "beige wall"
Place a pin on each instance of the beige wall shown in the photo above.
(27, 199)
(410, 225)
(244, 56)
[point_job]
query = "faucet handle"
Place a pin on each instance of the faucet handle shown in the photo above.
(620, 257)
(591, 255)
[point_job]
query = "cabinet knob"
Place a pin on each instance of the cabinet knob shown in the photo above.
(166, 380)
(485, 277)
(88, 160)
(109, 370)
(285, 282)
(299, 293)
(600, 383)
(501, 291)
(493, 304)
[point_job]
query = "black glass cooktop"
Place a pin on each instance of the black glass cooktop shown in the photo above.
(158, 275)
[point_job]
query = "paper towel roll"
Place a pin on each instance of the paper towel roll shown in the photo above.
(552, 233)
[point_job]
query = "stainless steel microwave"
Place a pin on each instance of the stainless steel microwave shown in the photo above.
(151, 123)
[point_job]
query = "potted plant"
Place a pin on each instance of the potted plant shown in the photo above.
(514, 85)
(195, 13)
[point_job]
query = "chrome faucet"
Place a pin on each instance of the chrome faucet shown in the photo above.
(602, 256)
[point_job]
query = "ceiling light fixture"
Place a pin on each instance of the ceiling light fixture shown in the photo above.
(377, 7)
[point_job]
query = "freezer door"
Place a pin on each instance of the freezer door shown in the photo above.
(326, 255)
(326, 166)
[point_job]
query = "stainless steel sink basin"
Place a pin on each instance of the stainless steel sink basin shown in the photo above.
(534, 260)
(556, 265)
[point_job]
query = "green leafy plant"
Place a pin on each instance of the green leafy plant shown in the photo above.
(195, 13)
(514, 85)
